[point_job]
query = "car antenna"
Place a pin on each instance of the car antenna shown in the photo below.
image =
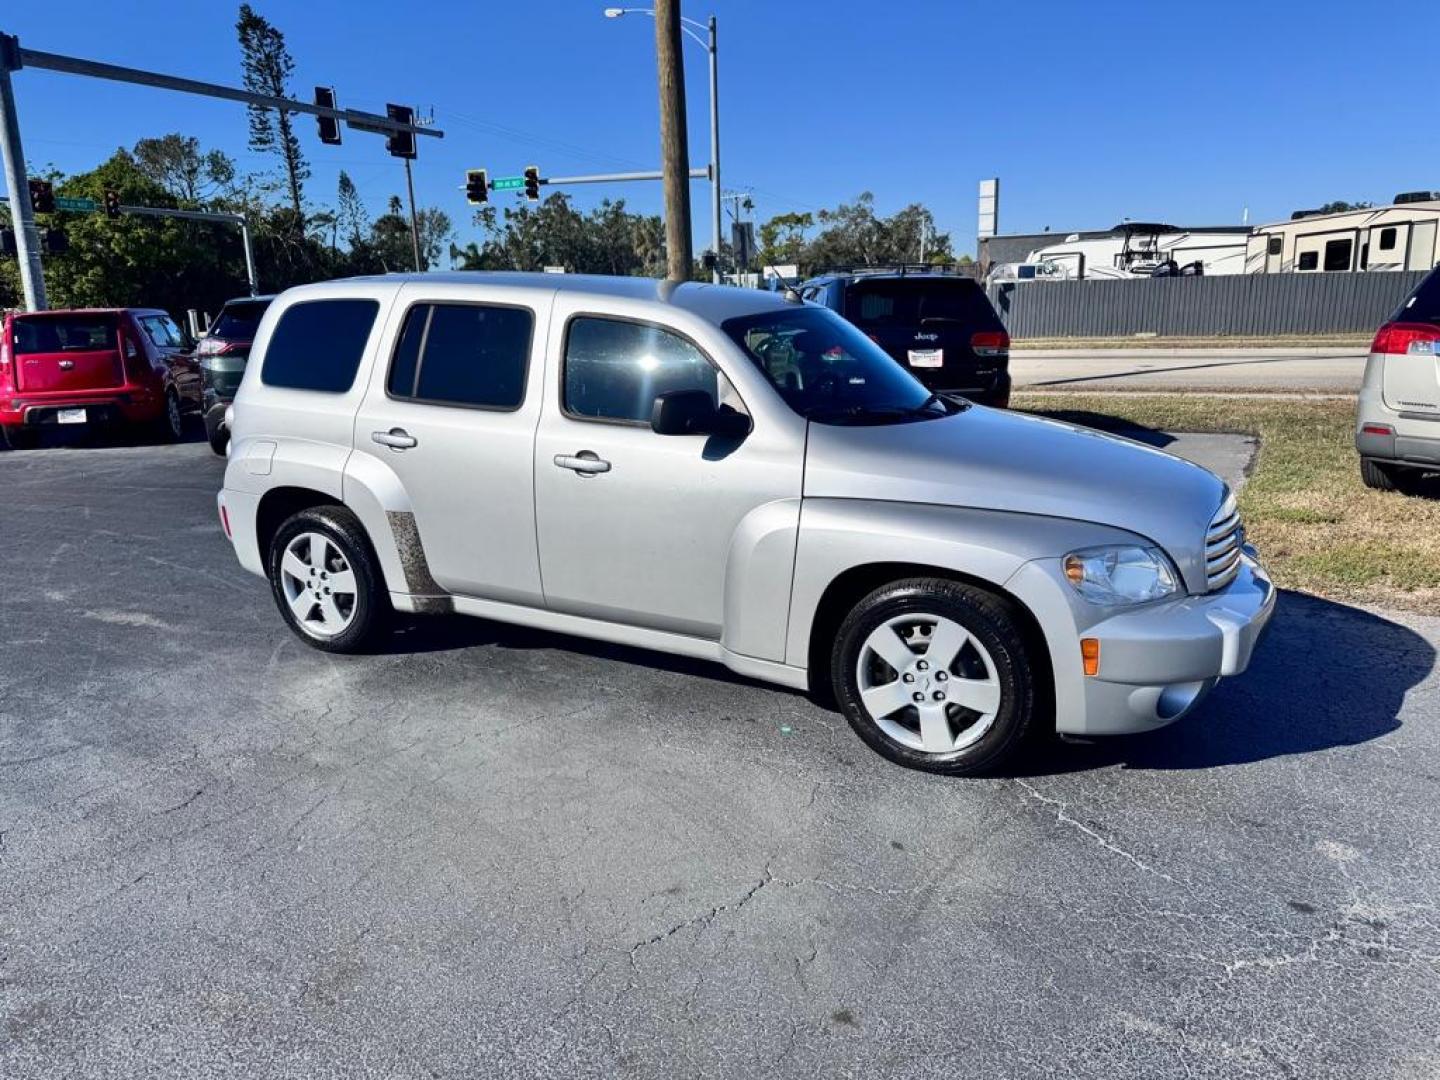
(787, 290)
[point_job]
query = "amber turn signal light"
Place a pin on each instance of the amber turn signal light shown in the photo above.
(1090, 655)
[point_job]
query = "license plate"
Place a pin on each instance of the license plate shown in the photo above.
(70, 416)
(927, 357)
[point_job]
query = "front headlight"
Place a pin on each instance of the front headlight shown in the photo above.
(1122, 574)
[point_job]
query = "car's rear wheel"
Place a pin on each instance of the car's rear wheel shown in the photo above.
(19, 437)
(934, 675)
(325, 579)
(218, 436)
(170, 424)
(1384, 476)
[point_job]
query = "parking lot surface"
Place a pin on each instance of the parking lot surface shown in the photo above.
(485, 851)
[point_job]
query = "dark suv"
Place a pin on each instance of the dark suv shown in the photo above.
(223, 353)
(939, 326)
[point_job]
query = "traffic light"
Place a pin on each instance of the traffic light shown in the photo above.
(329, 126)
(112, 204)
(55, 242)
(42, 196)
(532, 183)
(401, 143)
(477, 187)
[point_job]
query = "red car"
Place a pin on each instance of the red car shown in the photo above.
(95, 366)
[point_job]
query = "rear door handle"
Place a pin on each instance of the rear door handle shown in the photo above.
(586, 463)
(396, 438)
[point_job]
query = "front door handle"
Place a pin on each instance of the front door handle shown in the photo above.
(586, 463)
(396, 438)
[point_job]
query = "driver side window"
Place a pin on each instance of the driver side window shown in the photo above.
(614, 370)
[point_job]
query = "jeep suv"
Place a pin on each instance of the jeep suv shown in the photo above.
(728, 474)
(95, 367)
(941, 327)
(1397, 429)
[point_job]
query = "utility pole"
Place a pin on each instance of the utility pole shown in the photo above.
(715, 148)
(674, 155)
(27, 239)
(414, 222)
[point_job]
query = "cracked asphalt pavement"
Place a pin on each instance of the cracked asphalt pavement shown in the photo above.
(495, 852)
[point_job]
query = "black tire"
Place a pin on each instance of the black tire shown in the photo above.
(219, 438)
(371, 609)
(169, 426)
(18, 437)
(991, 622)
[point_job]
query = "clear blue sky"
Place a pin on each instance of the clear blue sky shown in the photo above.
(1089, 112)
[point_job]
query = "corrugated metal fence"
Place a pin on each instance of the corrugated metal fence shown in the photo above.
(1237, 305)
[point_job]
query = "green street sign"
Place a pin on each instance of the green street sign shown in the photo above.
(75, 204)
(500, 183)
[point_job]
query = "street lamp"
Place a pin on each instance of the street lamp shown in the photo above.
(692, 28)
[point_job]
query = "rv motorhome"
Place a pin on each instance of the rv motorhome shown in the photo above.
(1402, 236)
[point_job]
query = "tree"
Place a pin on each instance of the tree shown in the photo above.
(266, 66)
(1340, 206)
(782, 238)
(389, 242)
(608, 240)
(854, 235)
(176, 163)
(353, 221)
(139, 260)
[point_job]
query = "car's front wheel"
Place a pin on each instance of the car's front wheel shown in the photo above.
(325, 579)
(934, 675)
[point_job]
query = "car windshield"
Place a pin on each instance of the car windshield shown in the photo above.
(828, 371)
(239, 321)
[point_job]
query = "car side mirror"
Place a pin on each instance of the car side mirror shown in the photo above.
(693, 412)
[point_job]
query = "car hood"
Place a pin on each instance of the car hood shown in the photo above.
(990, 459)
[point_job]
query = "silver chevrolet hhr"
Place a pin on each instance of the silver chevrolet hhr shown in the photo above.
(733, 475)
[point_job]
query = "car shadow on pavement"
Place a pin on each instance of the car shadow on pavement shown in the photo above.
(1325, 675)
(445, 633)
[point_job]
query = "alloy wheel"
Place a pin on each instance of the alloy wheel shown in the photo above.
(928, 683)
(319, 585)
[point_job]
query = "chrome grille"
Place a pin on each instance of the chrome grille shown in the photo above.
(1223, 541)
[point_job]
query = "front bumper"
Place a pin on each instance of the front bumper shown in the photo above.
(1157, 662)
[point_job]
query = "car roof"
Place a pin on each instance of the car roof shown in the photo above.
(249, 299)
(887, 275)
(715, 303)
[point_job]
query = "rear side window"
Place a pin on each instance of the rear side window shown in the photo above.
(474, 355)
(65, 333)
(910, 302)
(317, 345)
(1387, 239)
(615, 370)
(1309, 260)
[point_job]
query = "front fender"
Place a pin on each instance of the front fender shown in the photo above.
(839, 535)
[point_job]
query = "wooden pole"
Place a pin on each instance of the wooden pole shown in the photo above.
(674, 142)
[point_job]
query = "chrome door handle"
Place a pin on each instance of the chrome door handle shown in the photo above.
(586, 463)
(396, 438)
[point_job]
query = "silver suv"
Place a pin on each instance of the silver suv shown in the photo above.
(1397, 428)
(734, 475)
